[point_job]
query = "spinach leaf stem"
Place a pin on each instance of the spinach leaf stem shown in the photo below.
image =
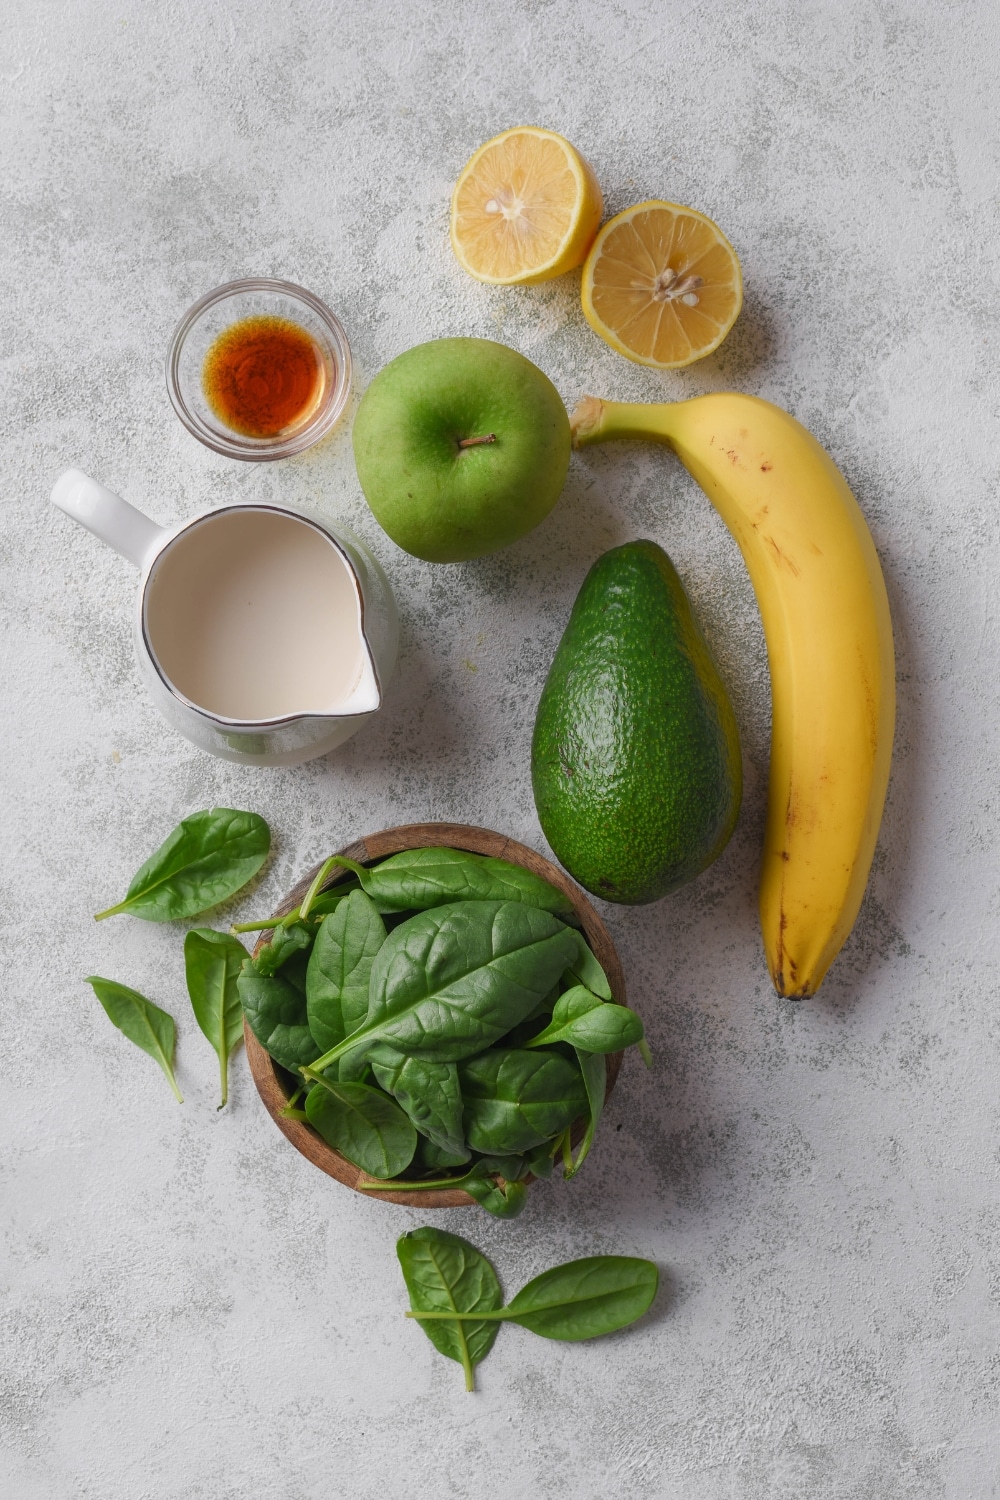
(321, 875)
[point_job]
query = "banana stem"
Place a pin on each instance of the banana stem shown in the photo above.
(595, 421)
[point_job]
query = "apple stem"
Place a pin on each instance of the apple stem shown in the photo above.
(490, 437)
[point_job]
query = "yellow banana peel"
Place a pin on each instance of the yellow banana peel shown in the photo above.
(825, 613)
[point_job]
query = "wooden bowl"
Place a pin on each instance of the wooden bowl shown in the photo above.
(270, 1079)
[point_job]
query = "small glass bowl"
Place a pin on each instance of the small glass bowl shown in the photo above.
(198, 330)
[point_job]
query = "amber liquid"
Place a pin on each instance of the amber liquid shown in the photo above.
(264, 376)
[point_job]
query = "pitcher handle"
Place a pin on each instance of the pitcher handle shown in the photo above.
(108, 516)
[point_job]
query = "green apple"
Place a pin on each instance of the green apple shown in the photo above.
(461, 446)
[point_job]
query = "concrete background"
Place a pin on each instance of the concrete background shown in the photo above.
(189, 1310)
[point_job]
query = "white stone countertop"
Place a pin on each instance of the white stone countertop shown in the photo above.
(189, 1310)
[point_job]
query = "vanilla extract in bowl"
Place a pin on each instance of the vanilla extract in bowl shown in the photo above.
(264, 376)
(259, 369)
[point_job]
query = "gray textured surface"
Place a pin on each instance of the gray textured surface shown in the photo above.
(188, 1309)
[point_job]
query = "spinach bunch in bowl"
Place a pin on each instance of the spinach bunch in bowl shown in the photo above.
(446, 1023)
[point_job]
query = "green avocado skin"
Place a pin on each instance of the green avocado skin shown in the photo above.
(635, 759)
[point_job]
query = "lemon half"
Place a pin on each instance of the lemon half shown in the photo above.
(526, 208)
(662, 285)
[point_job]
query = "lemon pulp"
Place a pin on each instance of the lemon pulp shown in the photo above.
(526, 208)
(662, 285)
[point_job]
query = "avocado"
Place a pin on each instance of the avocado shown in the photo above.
(635, 759)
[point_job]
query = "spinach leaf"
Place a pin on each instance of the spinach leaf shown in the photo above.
(515, 1100)
(212, 963)
(352, 1068)
(428, 1092)
(315, 898)
(477, 1181)
(445, 1274)
(325, 902)
(575, 1001)
(595, 1076)
(364, 1125)
(275, 1011)
(419, 879)
(455, 1296)
(430, 1158)
(328, 901)
(142, 1022)
(340, 969)
(586, 969)
(540, 1016)
(583, 1021)
(483, 1168)
(206, 859)
(585, 1298)
(580, 1300)
(539, 1161)
(607, 1028)
(511, 1167)
(284, 943)
(449, 982)
(503, 1200)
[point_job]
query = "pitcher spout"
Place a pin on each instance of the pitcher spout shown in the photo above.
(366, 695)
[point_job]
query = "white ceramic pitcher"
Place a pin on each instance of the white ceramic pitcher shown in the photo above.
(175, 564)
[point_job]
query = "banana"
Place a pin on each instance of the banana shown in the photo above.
(826, 621)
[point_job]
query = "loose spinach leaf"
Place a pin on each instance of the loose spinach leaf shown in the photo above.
(583, 1021)
(595, 1076)
(585, 1298)
(206, 859)
(445, 1274)
(428, 1092)
(580, 1300)
(275, 1011)
(503, 1200)
(212, 964)
(419, 879)
(284, 943)
(515, 1100)
(449, 982)
(364, 1125)
(586, 969)
(340, 969)
(142, 1022)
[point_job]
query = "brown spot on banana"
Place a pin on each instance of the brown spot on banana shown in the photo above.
(782, 557)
